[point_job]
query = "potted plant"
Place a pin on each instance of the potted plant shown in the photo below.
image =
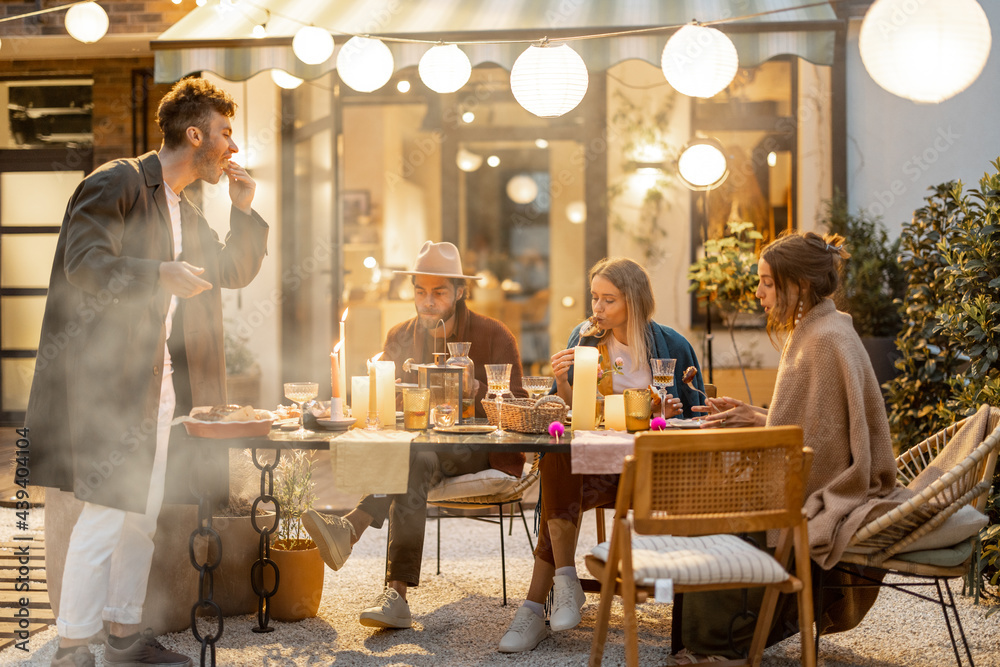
(300, 566)
(242, 371)
(873, 282)
(726, 278)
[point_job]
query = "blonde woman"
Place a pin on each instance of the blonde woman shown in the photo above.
(623, 330)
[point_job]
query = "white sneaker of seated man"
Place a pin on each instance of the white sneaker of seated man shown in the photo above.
(388, 610)
(528, 628)
(332, 534)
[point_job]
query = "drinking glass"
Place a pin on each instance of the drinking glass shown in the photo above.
(301, 393)
(498, 379)
(663, 377)
(416, 405)
(536, 385)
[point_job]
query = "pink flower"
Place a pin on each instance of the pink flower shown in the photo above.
(619, 367)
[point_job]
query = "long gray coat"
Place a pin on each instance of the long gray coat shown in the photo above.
(96, 390)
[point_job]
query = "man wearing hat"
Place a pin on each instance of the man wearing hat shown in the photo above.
(440, 289)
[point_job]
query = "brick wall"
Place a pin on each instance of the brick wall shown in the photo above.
(124, 16)
(112, 119)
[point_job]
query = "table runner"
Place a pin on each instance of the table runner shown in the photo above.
(367, 462)
(600, 452)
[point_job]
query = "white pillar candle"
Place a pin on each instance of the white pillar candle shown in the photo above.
(614, 412)
(359, 400)
(385, 377)
(342, 355)
(584, 388)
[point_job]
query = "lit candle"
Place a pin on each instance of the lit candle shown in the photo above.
(584, 388)
(373, 385)
(385, 374)
(614, 412)
(359, 399)
(342, 360)
(335, 380)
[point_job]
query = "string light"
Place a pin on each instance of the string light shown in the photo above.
(87, 22)
(549, 81)
(365, 64)
(312, 45)
(444, 68)
(699, 61)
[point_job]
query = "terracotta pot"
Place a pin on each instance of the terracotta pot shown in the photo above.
(300, 586)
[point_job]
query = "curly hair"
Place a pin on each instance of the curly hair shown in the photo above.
(632, 280)
(191, 102)
(801, 260)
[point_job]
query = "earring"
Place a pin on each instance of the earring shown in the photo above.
(798, 313)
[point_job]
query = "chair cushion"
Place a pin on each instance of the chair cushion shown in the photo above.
(712, 559)
(951, 556)
(961, 525)
(487, 482)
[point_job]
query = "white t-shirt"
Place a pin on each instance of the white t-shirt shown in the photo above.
(638, 378)
(174, 206)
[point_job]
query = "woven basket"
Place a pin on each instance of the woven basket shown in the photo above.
(526, 415)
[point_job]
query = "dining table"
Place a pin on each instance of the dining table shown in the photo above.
(265, 452)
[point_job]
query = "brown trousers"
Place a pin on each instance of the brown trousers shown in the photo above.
(567, 496)
(407, 512)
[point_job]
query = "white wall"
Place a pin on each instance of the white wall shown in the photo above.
(897, 148)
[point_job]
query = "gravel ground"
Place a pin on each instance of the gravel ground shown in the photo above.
(458, 619)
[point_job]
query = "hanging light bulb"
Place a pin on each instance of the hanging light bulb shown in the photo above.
(200, 3)
(549, 81)
(312, 45)
(444, 68)
(925, 51)
(467, 160)
(87, 23)
(699, 61)
(285, 80)
(365, 64)
(259, 32)
(522, 189)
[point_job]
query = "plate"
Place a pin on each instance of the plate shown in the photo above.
(674, 422)
(336, 424)
(466, 428)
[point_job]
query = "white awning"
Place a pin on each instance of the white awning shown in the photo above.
(217, 37)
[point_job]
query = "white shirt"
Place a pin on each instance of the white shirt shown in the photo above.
(174, 206)
(637, 378)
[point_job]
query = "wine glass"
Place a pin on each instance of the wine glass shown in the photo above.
(301, 393)
(663, 377)
(498, 379)
(536, 385)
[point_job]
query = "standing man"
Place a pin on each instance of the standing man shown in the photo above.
(440, 289)
(135, 297)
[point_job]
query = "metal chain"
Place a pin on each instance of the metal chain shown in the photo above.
(206, 578)
(264, 547)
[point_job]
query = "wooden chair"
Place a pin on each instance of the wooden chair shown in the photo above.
(688, 486)
(512, 494)
(883, 542)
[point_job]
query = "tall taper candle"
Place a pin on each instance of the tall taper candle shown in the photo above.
(335, 380)
(584, 388)
(342, 360)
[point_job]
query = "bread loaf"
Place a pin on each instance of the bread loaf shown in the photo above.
(229, 413)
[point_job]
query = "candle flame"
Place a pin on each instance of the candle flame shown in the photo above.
(344, 318)
(374, 359)
(336, 348)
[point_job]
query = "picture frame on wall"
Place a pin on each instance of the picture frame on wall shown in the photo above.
(357, 207)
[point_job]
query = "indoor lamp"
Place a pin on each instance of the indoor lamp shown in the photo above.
(549, 81)
(925, 51)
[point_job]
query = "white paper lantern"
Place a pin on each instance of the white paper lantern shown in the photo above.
(312, 45)
(285, 80)
(925, 51)
(522, 189)
(467, 160)
(365, 64)
(549, 81)
(87, 23)
(445, 68)
(699, 61)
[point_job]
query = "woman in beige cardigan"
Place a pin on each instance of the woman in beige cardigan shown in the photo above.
(826, 385)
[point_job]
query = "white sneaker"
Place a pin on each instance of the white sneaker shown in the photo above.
(569, 599)
(332, 534)
(388, 610)
(526, 631)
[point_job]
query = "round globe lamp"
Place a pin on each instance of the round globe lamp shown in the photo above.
(699, 61)
(549, 81)
(285, 80)
(702, 164)
(925, 51)
(522, 189)
(312, 45)
(444, 68)
(365, 64)
(467, 160)
(87, 23)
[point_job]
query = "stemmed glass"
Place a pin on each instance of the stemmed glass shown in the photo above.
(498, 379)
(301, 393)
(536, 385)
(663, 377)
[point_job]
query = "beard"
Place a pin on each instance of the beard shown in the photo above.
(207, 165)
(431, 321)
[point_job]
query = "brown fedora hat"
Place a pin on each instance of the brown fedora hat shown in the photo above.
(438, 259)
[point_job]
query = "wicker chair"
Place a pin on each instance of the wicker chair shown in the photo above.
(693, 484)
(882, 542)
(508, 497)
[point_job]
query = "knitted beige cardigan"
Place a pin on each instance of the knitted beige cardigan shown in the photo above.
(827, 386)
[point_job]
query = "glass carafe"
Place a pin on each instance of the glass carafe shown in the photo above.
(460, 357)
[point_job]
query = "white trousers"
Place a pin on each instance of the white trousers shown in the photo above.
(111, 550)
